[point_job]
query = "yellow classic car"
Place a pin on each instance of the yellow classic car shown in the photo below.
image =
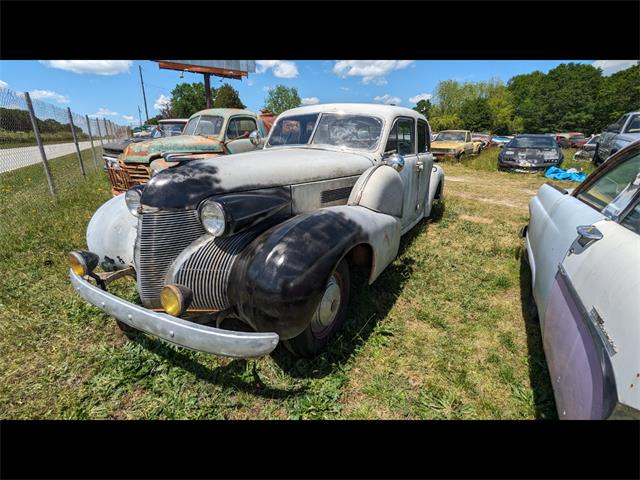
(453, 144)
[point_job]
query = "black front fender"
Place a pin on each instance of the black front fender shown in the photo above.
(278, 280)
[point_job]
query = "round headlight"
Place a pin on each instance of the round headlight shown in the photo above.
(175, 299)
(213, 218)
(132, 199)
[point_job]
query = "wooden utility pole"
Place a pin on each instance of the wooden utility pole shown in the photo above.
(207, 88)
(144, 96)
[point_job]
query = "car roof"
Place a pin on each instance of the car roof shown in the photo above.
(389, 112)
(222, 112)
(173, 120)
(532, 135)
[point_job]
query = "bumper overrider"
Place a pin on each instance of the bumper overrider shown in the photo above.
(176, 330)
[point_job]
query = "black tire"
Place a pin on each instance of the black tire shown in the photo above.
(596, 157)
(316, 336)
(126, 329)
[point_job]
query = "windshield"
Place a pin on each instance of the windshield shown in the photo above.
(358, 132)
(204, 125)
(577, 137)
(533, 142)
(170, 129)
(451, 136)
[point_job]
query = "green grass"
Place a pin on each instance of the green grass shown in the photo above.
(446, 332)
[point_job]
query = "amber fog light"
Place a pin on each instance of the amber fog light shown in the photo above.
(83, 263)
(175, 299)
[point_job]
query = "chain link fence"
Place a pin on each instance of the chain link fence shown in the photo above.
(46, 153)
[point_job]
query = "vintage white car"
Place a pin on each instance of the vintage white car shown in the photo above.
(584, 252)
(268, 237)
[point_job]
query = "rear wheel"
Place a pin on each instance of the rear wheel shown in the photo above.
(328, 317)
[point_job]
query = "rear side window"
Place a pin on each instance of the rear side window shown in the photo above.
(406, 141)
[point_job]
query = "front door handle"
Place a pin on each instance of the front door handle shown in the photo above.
(588, 234)
(420, 165)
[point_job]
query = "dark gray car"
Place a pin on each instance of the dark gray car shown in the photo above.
(617, 136)
(529, 152)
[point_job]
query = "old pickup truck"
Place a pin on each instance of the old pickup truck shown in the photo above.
(617, 136)
(218, 131)
(268, 237)
(453, 144)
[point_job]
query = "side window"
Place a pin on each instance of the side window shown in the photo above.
(632, 220)
(240, 127)
(406, 140)
(422, 137)
(613, 191)
(468, 137)
(392, 141)
(617, 127)
(634, 125)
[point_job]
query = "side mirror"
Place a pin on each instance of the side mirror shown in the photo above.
(395, 161)
(255, 137)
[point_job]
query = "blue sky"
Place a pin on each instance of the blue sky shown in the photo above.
(111, 88)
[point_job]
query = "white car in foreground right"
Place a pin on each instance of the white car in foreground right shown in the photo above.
(583, 248)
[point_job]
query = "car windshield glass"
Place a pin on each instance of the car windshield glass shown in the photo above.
(451, 136)
(191, 126)
(294, 130)
(171, 129)
(359, 132)
(634, 124)
(209, 125)
(577, 137)
(532, 142)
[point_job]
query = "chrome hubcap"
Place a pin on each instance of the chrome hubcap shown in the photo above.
(328, 309)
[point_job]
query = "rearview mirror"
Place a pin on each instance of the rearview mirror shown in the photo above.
(255, 137)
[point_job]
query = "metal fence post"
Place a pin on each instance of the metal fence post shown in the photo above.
(93, 149)
(99, 134)
(75, 140)
(106, 129)
(43, 155)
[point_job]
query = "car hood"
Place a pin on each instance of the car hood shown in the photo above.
(530, 154)
(447, 144)
(185, 186)
(144, 152)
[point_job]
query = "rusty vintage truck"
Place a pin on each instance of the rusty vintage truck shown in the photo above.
(209, 133)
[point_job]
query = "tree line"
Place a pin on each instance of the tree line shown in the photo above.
(189, 98)
(14, 120)
(570, 97)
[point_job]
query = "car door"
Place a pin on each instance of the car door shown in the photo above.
(591, 332)
(424, 167)
(607, 138)
(402, 140)
(237, 134)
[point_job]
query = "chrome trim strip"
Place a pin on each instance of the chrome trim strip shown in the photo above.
(175, 330)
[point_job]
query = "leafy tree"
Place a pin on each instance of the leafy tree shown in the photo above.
(154, 120)
(444, 122)
(227, 97)
(619, 93)
(187, 99)
(282, 98)
(423, 107)
(476, 114)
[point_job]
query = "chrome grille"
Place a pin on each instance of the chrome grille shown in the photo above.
(207, 270)
(161, 237)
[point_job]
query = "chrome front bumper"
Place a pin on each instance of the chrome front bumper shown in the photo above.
(176, 330)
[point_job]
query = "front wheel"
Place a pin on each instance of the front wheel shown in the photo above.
(328, 317)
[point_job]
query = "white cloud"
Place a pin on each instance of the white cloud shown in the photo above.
(420, 96)
(279, 68)
(128, 118)
(609, 67)
(387, 99)
(346, 89)
(104, 112)
(48, 95)
(162, 102)
(3, 84)
(96, 67)
(310, 100)
(267, 88)
(250, 82)
(371, 71)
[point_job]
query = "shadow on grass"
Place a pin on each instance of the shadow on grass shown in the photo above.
(538, 372)
(234, 374)
(367, 306)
